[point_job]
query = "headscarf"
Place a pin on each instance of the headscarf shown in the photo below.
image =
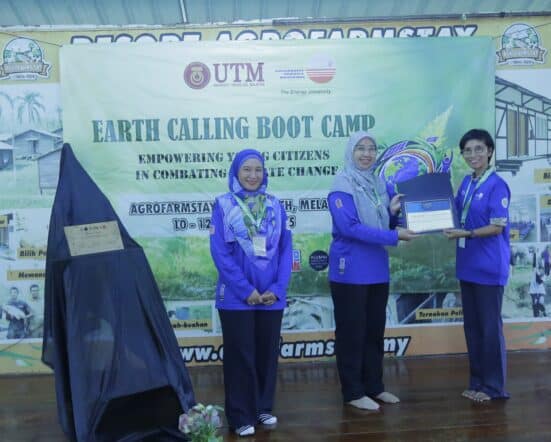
(365, 186)
(248, 214)
(233, 174)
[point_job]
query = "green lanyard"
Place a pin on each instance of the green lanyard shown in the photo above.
(378, 202)
(469, 197)
(247, 212)
(376, 198)
(372, 194)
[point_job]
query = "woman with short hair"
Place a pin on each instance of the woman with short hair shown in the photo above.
(482, 265)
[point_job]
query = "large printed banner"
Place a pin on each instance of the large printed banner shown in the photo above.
(157, 124)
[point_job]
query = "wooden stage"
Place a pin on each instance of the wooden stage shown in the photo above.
(309, 405)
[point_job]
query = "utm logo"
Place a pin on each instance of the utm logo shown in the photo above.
(197, 75)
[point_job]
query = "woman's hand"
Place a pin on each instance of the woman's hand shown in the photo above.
(406, 234)
(268, 298)
(457, 233)
(395, 204)
(254, 298)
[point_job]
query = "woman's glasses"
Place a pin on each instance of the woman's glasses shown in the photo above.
(477, 150)
(364, 149)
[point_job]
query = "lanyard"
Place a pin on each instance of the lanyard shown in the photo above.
(469, 195)
(247, 212)
(372, 194)
(375, 196)
(378, 202)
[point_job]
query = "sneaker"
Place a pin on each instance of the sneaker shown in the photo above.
(480, 396)
(267, 419)
(469, 394)
(245, 430)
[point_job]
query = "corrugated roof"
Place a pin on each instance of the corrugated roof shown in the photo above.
(173, 12)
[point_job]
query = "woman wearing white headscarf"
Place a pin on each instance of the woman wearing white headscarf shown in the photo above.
(359, 271)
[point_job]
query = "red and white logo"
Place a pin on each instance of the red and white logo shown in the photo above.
(321, 68)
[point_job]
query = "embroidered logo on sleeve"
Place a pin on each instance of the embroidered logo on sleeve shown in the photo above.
(504, 203)
(338, 203)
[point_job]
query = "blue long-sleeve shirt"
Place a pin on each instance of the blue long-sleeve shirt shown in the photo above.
(357, 254)
(238, 277)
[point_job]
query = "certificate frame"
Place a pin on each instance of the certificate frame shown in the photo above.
(429, 215)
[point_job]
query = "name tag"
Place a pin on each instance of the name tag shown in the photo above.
(259, 245)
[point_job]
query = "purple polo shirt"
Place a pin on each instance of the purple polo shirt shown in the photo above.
(357, 254)
(485, 260)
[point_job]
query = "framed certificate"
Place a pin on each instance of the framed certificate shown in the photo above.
(428, 204)
(425, 216)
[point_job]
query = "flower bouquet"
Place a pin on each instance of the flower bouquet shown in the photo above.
(201, 423)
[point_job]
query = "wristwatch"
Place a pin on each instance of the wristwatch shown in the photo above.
(471, 234)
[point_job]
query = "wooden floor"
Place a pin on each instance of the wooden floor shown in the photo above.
(309, 405)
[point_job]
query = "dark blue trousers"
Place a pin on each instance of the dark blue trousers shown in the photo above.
(251, 351)
(484, 336)
(360, 319)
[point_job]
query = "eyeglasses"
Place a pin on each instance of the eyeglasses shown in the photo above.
(478, 150)
(363, 149)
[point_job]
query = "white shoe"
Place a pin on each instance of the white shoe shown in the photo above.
(245, 430)
(480, 396)
(267, 419)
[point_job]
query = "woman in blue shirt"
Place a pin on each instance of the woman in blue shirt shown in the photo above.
(359, 272)
(482, 265)
(252, 251)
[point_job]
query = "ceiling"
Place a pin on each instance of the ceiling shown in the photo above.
(178, 12)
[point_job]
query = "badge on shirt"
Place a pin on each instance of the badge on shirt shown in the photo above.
(259, 245)
(461, 243)
(338, 203)
(504, 203)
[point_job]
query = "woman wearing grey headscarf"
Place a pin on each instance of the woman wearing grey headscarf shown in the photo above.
(359, 271)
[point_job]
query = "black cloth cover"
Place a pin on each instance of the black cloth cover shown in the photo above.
(119, 374)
